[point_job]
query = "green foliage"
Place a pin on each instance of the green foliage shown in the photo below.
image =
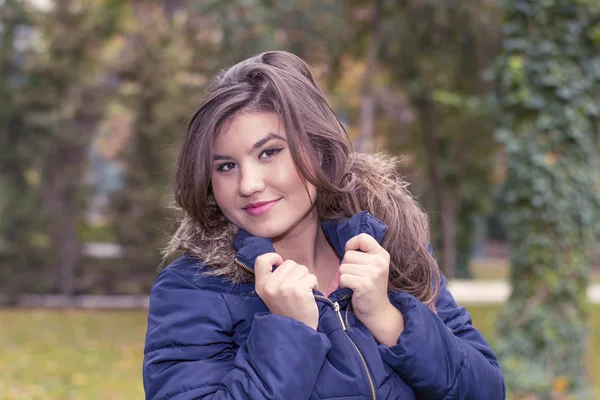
(440, 63)
(548, 83)
(22, 237)
(53, 99)
(486, 318)
(154, 94)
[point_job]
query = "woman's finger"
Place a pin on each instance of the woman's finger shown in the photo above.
(310, 281)
(263, 267)
(357, 257)
(279, 275)
(363, 242)
(353, 282)
(355, 269)
(299, 272)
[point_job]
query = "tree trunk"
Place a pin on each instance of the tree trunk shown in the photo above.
(61, 198)
(367, 107)
(66, 167)
(448, 224)
(443, 197)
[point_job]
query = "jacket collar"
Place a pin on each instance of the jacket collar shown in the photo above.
(338, 232)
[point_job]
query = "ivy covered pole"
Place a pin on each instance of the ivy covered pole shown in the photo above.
(548, 85)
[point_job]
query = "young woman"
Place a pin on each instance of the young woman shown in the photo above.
(306, 271)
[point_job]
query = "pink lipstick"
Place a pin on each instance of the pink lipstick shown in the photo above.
(260, 208)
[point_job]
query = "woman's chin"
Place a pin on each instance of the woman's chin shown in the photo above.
(265, 232)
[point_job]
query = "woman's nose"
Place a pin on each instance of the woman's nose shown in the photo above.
(251, 181)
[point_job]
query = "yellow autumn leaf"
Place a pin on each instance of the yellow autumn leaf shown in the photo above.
(561, 383)
(79, 379)
(32, 176)
(515, 62)
(550, 159)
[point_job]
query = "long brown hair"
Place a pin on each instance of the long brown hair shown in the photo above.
(346, 182)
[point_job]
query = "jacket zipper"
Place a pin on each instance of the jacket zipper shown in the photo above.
(336, 307)
(241, 264)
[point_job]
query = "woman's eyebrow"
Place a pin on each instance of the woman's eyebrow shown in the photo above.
(264, 140)
(255, 146)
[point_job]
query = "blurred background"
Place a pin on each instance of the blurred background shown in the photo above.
(493, 104)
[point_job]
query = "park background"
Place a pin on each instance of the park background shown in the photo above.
(493, 105)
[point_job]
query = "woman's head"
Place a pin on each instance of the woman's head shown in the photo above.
(251, 111)
(273, 92)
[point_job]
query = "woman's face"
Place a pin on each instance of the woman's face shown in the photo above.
(254, 180)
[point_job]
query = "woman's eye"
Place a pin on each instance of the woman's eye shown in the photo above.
(226, 167)
(268, 153)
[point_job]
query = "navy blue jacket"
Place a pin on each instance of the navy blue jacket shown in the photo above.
(209, 339)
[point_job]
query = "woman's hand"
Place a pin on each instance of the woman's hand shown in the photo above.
(365, 269)
(287, 291)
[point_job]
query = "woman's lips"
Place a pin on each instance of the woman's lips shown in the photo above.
(262, 208)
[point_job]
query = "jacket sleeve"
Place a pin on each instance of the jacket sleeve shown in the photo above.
(190, 351)
(443, 356)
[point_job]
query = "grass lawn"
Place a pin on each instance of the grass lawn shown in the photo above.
(71, 355)
(97, 355)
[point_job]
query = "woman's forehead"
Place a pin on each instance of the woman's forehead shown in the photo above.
(248, 129)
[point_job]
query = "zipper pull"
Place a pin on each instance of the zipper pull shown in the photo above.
(336, 306)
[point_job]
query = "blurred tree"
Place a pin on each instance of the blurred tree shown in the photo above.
(316, 30)
(154, 79)
(63, 101)
(548, 87)
(223, 32)
(437, 53)
(22, 239)
(367, 109)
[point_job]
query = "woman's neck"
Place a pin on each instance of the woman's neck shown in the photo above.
(308, 246)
